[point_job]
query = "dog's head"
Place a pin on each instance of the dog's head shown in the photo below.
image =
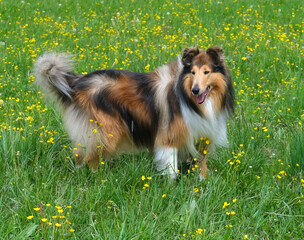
(207, 73)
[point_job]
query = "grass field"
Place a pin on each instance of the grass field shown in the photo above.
(255, 187)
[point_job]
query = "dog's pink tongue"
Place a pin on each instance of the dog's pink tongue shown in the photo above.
(201, 98)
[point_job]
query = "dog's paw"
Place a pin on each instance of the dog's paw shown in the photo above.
(202, 178)
(79, 165)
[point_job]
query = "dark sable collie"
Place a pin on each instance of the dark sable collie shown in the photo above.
(114, 111)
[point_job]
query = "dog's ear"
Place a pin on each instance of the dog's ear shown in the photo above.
(188, 55)
(216, 54)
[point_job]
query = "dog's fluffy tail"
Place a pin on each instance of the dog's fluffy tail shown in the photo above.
(53, 75)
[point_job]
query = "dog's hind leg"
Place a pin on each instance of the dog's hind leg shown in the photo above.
(92, 159)
(79, 157)
(92, 154)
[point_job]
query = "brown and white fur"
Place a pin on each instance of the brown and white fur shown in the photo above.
(115, 111)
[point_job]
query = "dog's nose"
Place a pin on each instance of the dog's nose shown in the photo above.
(195, 90)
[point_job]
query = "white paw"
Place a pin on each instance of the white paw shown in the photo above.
(202, 177)
(170, 174)
(79, 165)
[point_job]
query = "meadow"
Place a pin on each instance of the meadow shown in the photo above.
(255, 186)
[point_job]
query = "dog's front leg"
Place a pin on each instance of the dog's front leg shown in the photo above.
(203, 167)
(165, 159)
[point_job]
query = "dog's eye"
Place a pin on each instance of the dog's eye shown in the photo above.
(193, 73)
(206, 72)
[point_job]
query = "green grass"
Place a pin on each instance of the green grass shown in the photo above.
(260, 174)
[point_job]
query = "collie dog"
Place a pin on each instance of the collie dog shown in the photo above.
(115, 111)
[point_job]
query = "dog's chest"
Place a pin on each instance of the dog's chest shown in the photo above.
(210, 125)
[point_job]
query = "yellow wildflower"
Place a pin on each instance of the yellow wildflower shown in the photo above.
(225, 205)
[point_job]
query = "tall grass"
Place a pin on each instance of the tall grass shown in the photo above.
(255, 186)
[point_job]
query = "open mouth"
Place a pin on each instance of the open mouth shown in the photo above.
(202, 97)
